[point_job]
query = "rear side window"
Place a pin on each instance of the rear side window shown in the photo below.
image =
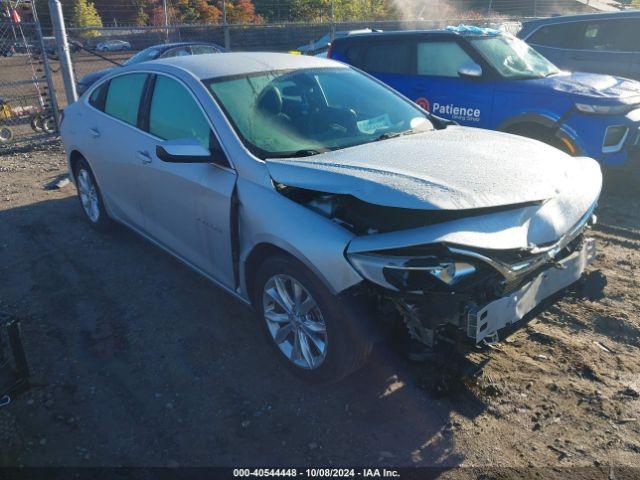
(386, 58)
(565, 35)
(442, 59)
(611, 36)
(96, 99)
(123, 97)
(175, 115)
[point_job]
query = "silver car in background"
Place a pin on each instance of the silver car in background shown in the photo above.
(329, 202)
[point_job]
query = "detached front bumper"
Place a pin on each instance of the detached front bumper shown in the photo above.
(484, 323)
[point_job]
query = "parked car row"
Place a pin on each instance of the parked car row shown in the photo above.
(335, 206)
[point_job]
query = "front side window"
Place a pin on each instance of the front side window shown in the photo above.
(123, 97)
(308, 111)
(177, 52)
(442, 59)
(513, 58)
(175, 115)
(203, 50)
(145, 55)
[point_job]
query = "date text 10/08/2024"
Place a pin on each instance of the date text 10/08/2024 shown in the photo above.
(317, 472)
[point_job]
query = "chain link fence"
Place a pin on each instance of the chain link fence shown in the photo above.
(27, 113)
(282, 37)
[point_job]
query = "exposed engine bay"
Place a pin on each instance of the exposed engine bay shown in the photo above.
(443, 290)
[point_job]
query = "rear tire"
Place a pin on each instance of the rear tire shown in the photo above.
(336, 345)
(91, 198)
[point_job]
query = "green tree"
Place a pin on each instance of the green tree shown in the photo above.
(142, 18)
(343, 10)
(86, 15)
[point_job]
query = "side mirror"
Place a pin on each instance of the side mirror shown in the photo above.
(188, 150)
(470, 70)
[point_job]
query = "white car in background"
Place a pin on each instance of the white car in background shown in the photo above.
(328, 202)
(113, 46)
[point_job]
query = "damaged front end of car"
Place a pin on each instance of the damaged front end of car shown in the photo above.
(443, 290)
(456, 230)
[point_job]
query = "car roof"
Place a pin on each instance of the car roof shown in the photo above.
(241, 63)
(363, 37)
(582, 17)
(181, 44)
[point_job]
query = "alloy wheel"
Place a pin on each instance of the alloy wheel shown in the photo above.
(88, 195)
(295, 321)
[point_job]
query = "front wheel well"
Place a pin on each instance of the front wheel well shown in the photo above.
(256, 257)
(543, 133)
(528, 129)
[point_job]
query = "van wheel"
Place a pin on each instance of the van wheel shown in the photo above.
(90, 197)
(305, 324)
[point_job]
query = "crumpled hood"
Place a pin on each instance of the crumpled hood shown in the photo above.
(452, 169)
(594, 85)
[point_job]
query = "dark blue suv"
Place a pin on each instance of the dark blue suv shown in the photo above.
(489, 79)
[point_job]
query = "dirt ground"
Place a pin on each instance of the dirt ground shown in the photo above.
(138, 361)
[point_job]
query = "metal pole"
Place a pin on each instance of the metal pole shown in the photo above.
(60, 32)
(225, 26)
(490, 8)
(332, 28)
(47, 70)
(166, 21)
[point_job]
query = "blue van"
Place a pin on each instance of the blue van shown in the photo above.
(489, 79)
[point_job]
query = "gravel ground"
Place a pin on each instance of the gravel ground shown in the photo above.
(139, 361)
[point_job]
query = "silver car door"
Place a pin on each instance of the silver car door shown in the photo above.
(114, 131)
(187, 205)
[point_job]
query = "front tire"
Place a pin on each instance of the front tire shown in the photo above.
(90, 197)
(305, 323)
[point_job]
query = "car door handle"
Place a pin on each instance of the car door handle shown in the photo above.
(144, 157)
(94, 132)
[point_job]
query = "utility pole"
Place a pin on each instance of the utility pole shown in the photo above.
(166, 21)
(489, 13)
(225, 27)
(66, 68)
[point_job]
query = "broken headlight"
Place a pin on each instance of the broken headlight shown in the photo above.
(411, 273)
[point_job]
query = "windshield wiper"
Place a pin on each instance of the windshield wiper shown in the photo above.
(388, 135)
(307, 152)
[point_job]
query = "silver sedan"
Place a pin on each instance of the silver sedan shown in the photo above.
(331, 204)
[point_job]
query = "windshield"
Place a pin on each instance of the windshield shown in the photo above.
(513, 58)
(144, 56)
(303, 112)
